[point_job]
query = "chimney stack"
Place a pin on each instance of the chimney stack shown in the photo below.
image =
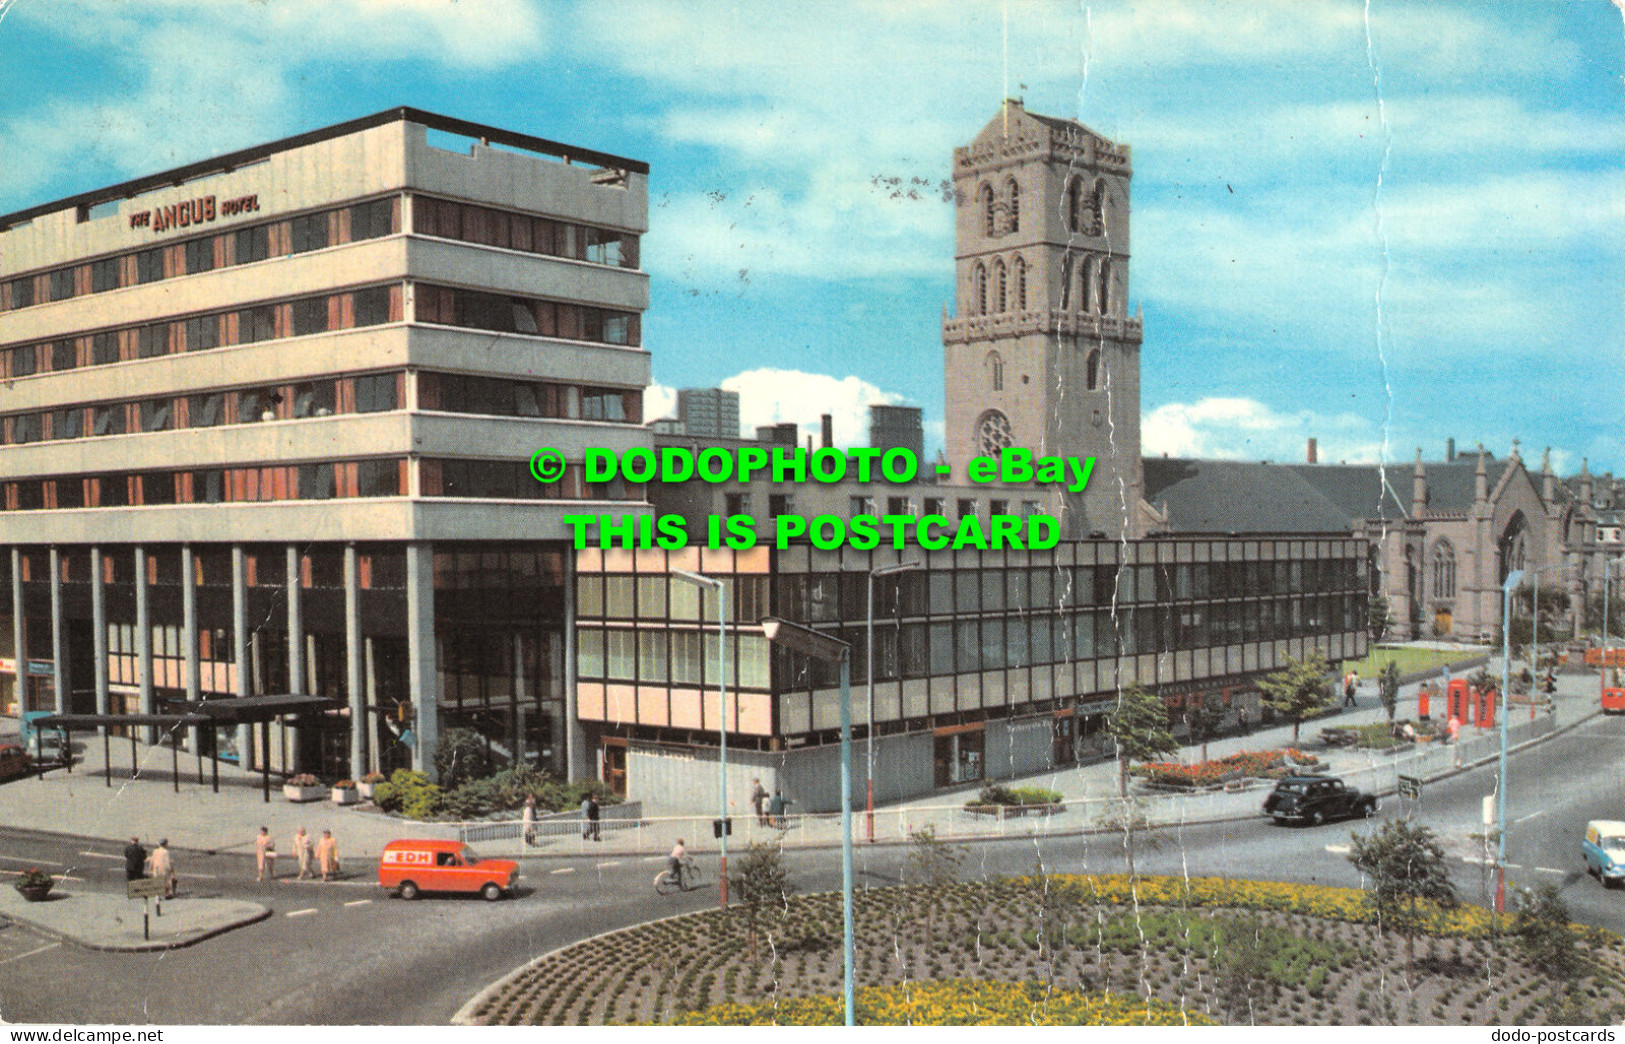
(829, 430)
(1449, 450)
(1314, 457)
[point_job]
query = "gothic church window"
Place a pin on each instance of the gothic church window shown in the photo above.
(1074, 205)
(1104, 290)
(993, 433)
(1091, 370)
(1086, 284)
(1015, 206)
(995, 369)
(999, 298)
(1444, 570)
(981, 289)
(1097, 210)
(1021, 285)
(987, 209)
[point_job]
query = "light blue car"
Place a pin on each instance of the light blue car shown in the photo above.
(1604, 850)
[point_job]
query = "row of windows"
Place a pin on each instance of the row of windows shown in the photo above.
(319, 567)
(372, 306)
(658, 656)
(348, 224)
(526, 315)
(502, 397)
(319, 481)
(489, 226)
(371, 393)
(512, 480)
(660, 598)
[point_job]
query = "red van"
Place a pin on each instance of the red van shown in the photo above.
(409, 868)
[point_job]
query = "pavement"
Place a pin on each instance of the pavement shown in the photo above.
(83, 803)
(108, 921)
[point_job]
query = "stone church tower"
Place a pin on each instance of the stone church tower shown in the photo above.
(1041, 352)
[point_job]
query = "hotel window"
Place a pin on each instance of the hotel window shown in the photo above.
(68, 423)
(736, 503)
(206, 411)
(603, 405)
(158, 488)
(152, 341)
(208, 487)
(378, 478)
(899, 506)
(156, 415)
(149, 265)
(112, 491)
(199, 255)
(781, 504)
(371, 220)
(862, 506)
(104, 348)
(252, 244)
(316, 399)
(307, 232)
(372, 306)
(108, 419)
(998, 507)
(25, 428)
(64, 355)
(965, 508)
(70, 493)
(22, 292)
(936, 506)
(61, 283)
(202, 333)
(316, 482)
(309, 316)
(24, 360)
(256, 324)
(375, 394)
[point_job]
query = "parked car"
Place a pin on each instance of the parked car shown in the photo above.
(14, 762)
(1604, 851)
(1316, 799)
(410, 868)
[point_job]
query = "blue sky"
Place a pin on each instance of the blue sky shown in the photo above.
(1379, 228)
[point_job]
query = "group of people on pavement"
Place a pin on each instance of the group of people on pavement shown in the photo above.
(320, 857)
(769, 810)
(139, 863)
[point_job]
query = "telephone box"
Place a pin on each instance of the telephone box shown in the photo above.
(1485, 709)
(1458, 697)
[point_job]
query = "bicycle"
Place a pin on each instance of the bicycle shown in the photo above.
(687, 878)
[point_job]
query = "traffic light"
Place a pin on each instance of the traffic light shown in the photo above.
(721, 826)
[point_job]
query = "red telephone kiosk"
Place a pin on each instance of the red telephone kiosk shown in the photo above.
(1485, 708)
(1457, 697)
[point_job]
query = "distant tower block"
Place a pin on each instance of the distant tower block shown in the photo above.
(897, 427)
(709, 413)
(1041, 352)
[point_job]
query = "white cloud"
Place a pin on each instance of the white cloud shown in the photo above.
(769, 396)
(659, 402)
(1246, 429)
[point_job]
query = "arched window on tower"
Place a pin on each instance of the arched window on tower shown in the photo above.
(986, 196)
(981, 289)
(1091, 370)
(1443, 570)
(1097, 210)
(1068, 263)
(1086, 283)
(1021, 285)
(1103, 287)
(995, 370)
(1014, 192)
(1074, 205)
(999, 298)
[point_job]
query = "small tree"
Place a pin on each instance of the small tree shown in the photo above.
(1388, 688)
(1541, 927)
(1203, 716)
(1139, 727)
(763, 883)
(1482, 680)
(1378, 617)
(460, 756)
(1406, 865)
(1298, 691)
(933, 864)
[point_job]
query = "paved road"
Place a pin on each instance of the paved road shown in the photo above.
(345, 953)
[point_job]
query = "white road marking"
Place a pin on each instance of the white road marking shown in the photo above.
(1339, 849)
(654, 859)
(30, 862)
(1530, 816)
(563, 870)
(1549, 870)
(301, 913)
(358, 902)
(206, 877)
(1474, 860)
(59, 877)
(612, 862)
(30, 953)
(100, 855)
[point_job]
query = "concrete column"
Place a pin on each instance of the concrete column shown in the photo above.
(98, 626)
(576, 755)
(17, 634)
(59, 658)
(374, 760)
(520, 702)
(143, 637)
(296, 655)
(352, 663)
(423, 679)
(239, 649)
(189, 635)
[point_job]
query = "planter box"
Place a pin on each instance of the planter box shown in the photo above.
(301, 794)
(35, 893)
(346, 796)
(365, 790)
(1008, 811)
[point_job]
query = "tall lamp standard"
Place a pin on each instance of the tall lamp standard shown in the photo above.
(816, 645)
(869, 742)
(699, 580)
(1514, 578)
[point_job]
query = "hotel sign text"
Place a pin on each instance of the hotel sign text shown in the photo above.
(192, 212)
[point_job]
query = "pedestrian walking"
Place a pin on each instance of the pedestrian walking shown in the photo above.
(592, 817)
(758, 801)
(327, 855)
(162, 866)
(1241, 720)
(135, 860)
(265, 855)
(1351, 681)
(527, 819)
(302, 850)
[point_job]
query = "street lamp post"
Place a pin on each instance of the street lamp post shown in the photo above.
(722, 724)
(1514, 578)
(819, 646)
(869, 742)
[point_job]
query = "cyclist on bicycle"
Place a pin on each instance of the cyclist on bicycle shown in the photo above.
(676, 860)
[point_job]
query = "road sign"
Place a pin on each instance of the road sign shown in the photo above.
(146, 888)
(1410, 787)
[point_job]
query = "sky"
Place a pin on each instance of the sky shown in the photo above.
(1379, 225)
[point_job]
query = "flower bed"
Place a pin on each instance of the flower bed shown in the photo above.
(995, 800)
(955, 1002)
(1247, 764)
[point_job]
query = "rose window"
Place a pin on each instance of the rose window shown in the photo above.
(993, 433)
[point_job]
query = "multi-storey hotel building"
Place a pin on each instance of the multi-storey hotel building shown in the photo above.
(265, 424)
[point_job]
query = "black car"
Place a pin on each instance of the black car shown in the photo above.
(1316, 799)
